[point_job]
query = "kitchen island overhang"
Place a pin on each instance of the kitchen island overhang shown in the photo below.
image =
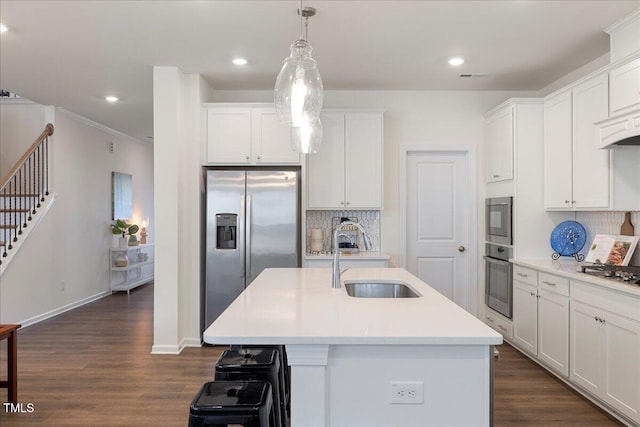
(345, 353)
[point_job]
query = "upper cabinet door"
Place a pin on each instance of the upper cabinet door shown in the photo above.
(591, 169)
(229, 135)
(499, 142)
(271, 141)
(363, 160)
(625, 88)
(557, 152)
(325, 169)
(248, 135)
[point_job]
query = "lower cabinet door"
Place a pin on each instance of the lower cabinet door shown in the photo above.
(586, 347)
(525, 317)
(621, 387)
(553, 331)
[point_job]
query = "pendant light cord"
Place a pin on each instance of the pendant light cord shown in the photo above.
(300, 13)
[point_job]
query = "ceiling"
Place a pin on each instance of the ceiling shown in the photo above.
(73, 53)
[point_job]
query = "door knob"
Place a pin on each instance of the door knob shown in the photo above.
(461, 249)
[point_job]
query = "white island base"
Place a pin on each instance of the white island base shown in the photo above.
(346, 385)
(346, 353)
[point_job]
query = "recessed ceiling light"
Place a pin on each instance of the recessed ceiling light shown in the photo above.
(456, 61)
(3, 28)
(240, 61)
(111, 98)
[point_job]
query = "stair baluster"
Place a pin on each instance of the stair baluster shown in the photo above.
(23, 190)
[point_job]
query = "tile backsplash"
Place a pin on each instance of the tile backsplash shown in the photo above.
(323, 220)
(608, 223)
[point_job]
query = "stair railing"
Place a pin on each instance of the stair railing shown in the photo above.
(22, 191)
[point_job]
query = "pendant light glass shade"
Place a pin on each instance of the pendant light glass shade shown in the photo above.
(298, 90)
(307, 138)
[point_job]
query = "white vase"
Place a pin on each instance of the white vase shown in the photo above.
(115, 241)
(124, 243)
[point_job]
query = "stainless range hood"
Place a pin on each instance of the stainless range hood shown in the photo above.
(622, 129)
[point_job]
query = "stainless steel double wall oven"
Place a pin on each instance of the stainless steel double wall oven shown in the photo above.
(498, 269)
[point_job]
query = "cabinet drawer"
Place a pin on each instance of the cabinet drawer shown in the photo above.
(606, 299)
(525, 275)
(553, 283)
(499, 324)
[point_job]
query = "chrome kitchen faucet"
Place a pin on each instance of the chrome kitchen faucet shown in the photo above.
(336, 251)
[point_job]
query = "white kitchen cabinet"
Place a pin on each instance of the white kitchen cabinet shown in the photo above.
(244, 135)
(347, 171)
(605, 346)
(624, 88)
(499, 323)
(577, 173)
(130, 267)
(499, 143)
(525, 316)
(553, 322)
(541, 317)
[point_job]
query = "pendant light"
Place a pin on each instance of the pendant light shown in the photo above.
(307, 138)
(298, 92)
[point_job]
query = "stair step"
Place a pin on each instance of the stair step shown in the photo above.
(8, 226)
(20, 195)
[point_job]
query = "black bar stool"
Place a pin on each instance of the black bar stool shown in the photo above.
(219, 403)
(255, 364)
(284, 368)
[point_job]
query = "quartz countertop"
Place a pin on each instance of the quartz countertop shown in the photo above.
(364, 255)
(571, 270)
(299, 306)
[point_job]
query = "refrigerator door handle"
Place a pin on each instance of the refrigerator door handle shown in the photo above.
(247, 272)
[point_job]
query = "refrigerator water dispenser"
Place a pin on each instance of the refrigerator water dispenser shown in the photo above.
(226, 227)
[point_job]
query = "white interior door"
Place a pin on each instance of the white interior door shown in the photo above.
(438, 217)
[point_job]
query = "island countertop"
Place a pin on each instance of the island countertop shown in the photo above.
(299, 306)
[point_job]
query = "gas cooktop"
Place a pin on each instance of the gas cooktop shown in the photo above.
(628, 274)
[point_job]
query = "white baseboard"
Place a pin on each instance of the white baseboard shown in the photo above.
(190, 342)
(175, 349)
(49, 314)
(165, 349)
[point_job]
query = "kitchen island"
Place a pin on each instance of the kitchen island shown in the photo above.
(350, 357)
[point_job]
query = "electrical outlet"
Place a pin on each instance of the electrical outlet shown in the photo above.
(406, 392)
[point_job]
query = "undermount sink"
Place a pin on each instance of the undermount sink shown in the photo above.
(379, 289)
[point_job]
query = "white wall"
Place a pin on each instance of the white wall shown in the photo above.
(21, 122)
(71, 243)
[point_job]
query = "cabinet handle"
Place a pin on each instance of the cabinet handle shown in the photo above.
(502, 328)
(600, 319)
(247, 157)
(573, 202)
(496, 176)
(522, 275)
(566, 202)
(549, 283)
(489, 319)
(348, 203)
(532, 294)
(258, 157)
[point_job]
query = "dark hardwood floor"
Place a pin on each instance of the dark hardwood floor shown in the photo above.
(92, 367)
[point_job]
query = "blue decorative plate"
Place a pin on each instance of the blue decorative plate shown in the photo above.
(567, 239)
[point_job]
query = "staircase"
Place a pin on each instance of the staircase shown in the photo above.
(24, 192)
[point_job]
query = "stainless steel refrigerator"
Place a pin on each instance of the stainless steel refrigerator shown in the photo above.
(252, 219)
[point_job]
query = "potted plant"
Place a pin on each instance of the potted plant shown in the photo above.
(121, 227)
